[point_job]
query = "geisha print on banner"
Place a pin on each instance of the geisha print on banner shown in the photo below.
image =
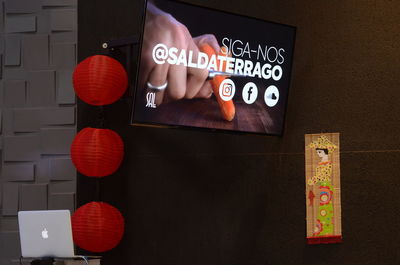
(323, 188)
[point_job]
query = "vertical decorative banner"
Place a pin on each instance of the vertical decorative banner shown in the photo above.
(324, 224)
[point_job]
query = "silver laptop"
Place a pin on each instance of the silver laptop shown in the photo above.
(46, 234)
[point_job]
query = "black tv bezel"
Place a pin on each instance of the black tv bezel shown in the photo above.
(170, 126)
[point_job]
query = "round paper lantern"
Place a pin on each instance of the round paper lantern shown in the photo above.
(100, 80)
(97, 226)
(97, 152)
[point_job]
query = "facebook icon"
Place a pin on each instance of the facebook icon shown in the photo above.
(250, 93)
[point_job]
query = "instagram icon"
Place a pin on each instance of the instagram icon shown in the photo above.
(227, 89)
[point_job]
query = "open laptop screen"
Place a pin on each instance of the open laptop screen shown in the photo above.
(45, 234)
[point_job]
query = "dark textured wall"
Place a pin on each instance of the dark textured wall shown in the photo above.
(193, 197)
(37, 112)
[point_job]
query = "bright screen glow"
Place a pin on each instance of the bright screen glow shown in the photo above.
(211, 69)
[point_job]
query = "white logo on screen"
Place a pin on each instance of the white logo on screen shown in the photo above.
(151, 97)
(271, 96)
(250, 93)
(45, 234)
(227, 89)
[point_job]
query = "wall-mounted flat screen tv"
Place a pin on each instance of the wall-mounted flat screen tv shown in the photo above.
(204, 68)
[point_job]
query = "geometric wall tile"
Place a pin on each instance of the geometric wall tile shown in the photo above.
(62, 187)
(21, 148)
(41, 88)
(1, 63)
(1, 127)
(1, 93)
(20, 24)
(33, 197)
(62, 169)
(9, 244)
(22, 6)
(14, 93)
(56, 141)
(14, 73)
(65, 89)
(2, 36)
(59, 3)
(9, 224)
(37, 55)
(12, 50)
(1, 31)
(63, 19)
(2, 18)
(58, 116)
(17, 172)
(7, 123)
(43, 22)
(63, 36)
(1, 66)
(42, 170)
(63, 55)
(60, 201)
(26, 120)
(35, 50)
(10, 199)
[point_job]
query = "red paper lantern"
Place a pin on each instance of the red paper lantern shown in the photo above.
(97, 152)
(97, 226)
(100, 80)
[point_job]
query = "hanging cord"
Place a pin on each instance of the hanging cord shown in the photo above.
(98, 189)
(100, 117)
(101, 123)
(84, 258)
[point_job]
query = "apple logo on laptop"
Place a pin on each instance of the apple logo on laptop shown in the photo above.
(45, 233)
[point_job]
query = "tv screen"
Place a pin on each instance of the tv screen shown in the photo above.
(206, 68)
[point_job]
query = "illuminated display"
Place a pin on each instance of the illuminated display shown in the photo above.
(210, 69)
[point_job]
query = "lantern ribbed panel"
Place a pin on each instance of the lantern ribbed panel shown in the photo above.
(97, 152)
(100, 80)
(97, 227)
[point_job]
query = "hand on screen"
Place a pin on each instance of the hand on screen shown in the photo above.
(206, 89)
(183, 82)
